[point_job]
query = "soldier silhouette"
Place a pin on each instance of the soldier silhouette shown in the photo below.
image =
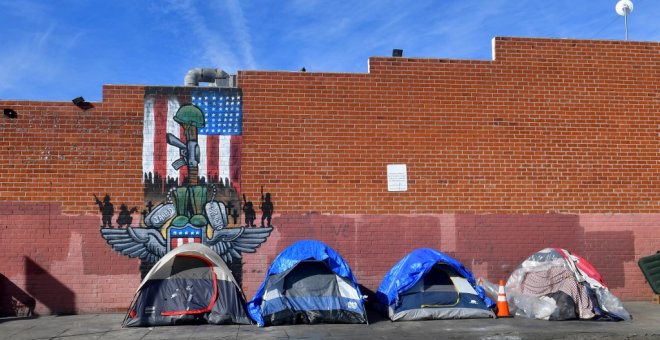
(125, 219)
(229, 208)
(266, 209)
(107, 210)
(235, 214)
(250, 214)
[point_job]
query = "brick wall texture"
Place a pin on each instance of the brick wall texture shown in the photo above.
(553, 143)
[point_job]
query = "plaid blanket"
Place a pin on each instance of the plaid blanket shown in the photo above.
(553, 279)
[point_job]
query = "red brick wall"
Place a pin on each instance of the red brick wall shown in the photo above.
(553, 143)
(56, 152)
(491, 245)
(54, 158)
(549, 126)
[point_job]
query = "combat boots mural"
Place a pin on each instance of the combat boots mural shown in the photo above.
(194, 206)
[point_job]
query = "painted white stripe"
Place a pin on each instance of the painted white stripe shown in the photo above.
(202, 167)
(174, 128)
(148, 136)
(179, 242)
(223, 161)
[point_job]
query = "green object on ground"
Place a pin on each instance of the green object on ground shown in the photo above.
(650, 266)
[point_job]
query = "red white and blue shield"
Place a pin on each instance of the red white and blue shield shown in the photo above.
(182, 235)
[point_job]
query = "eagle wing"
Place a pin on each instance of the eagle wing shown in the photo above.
(144, 243)
(229, 243)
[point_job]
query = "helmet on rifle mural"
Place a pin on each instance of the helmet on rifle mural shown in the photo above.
(190, 115)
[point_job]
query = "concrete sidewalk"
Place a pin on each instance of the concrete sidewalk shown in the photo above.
(645, 325)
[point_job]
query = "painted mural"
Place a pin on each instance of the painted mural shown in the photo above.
(191, 163)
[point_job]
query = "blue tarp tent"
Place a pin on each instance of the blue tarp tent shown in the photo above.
(428, 284)
(308, 282)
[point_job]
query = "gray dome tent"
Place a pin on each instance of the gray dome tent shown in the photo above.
(427, 284)
(190, 284)
(308, 282)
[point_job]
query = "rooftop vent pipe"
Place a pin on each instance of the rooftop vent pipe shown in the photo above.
(216, 76)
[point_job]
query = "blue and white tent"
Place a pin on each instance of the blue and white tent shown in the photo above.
(308, 282)
(427, 284)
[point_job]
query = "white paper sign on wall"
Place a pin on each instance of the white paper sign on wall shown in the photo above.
(397, 177)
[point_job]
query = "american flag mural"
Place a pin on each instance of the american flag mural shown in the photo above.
(219, 140)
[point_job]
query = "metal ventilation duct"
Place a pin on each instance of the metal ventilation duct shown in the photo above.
(216, 76)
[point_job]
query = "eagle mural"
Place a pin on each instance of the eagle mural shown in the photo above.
(188, 214)
(167, 230)
(151, 243)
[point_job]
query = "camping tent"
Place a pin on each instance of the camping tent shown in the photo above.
(189, 284)
(554, 284)
(427, 284)
(308, 282)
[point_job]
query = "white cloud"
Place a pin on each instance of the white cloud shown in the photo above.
(209, 44)
(241, 32)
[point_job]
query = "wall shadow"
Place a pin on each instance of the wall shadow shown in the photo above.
(49, 291)
(14, 301)
(503, 242)
(607, 251)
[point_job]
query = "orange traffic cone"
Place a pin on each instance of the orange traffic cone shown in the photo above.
(502, 305)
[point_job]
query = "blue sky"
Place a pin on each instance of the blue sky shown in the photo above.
(58, 50)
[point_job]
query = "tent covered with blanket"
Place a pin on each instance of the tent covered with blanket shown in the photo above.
(309, 283)
(190, 284)
(554, 284)
(427, 284)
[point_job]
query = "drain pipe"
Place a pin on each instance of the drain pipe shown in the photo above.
(218, 77)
